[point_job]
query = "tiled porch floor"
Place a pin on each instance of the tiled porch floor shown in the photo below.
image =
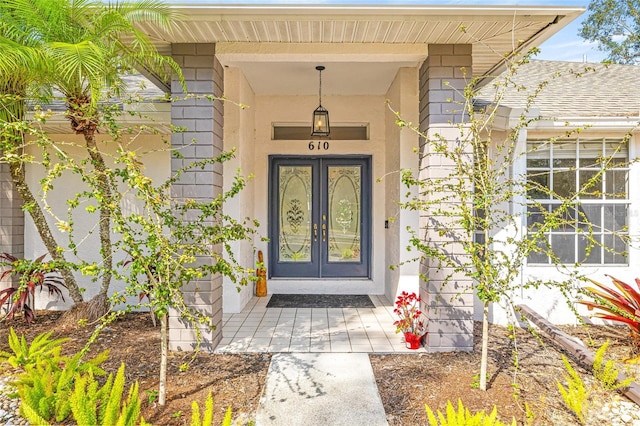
(261, 329)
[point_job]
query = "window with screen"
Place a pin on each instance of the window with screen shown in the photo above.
(593, 174)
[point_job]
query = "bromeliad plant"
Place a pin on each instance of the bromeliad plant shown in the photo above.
(622, 306)
(410, 317)
(32, 274)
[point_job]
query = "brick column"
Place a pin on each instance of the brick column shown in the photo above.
(11, 219)
(449, 305)
(203, 120)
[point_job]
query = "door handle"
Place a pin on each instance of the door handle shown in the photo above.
(315, 232)
(324, 232)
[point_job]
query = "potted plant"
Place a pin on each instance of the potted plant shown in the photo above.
(410, 319)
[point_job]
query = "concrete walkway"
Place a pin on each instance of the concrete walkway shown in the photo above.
(320, 389)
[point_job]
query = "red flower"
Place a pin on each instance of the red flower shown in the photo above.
(407, 308)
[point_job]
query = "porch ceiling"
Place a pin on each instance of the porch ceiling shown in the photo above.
(493, 30)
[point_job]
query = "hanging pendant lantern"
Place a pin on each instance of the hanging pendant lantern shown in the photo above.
(320, 115)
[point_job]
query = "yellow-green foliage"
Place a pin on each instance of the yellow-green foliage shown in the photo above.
(575, 396)
(46, 384)
(606, 372)
(43, 391)
(529, 414)
(207, 419)
(104, 406)
(25, 354)
(463, 417)
(84, 398)
(227, 417)
(34, 418)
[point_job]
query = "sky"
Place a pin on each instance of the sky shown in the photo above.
(567, 45)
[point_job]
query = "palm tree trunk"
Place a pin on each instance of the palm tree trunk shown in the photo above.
(39, 220)
(485, 346)
(105, 198)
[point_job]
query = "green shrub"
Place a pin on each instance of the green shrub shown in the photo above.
(53, 387)
(46, 382)
(463, 417)
(576, 395)
(207, 418)
(45, 387)
(104, 406)
(606, 373)
(33, 417)
(24, 354)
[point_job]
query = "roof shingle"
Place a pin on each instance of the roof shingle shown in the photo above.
(575, 89)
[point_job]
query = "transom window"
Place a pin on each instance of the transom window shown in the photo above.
(594, 174)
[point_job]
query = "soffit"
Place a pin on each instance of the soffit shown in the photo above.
(493, 31)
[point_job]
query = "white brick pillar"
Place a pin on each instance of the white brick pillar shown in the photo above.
(449, 304)
(203, 120)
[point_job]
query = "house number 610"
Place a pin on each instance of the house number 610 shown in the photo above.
(319, 145)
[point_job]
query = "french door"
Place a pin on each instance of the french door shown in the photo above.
(319, 216)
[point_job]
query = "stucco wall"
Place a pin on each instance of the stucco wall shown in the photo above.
(400, 155)
(85, 228)
(239, 134)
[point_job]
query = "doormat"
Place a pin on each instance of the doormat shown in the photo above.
(320, 301)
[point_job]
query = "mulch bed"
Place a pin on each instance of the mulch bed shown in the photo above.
(406, 381)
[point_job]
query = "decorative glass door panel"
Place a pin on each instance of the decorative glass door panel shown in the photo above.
(295, 203)
(319, 217)
(344, 213)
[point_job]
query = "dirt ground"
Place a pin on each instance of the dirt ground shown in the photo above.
(234, 380)
(406, 381)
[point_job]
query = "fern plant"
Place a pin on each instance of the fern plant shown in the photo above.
(25, 354)
(54, 387)
(34, 418)
(104, 406)
(227, 417)
(207, 417)
(575, 395)
(463, 417)
(39, 389)
(606, 372)
(46, 386)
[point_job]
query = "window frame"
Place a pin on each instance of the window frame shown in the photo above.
(597, 200)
